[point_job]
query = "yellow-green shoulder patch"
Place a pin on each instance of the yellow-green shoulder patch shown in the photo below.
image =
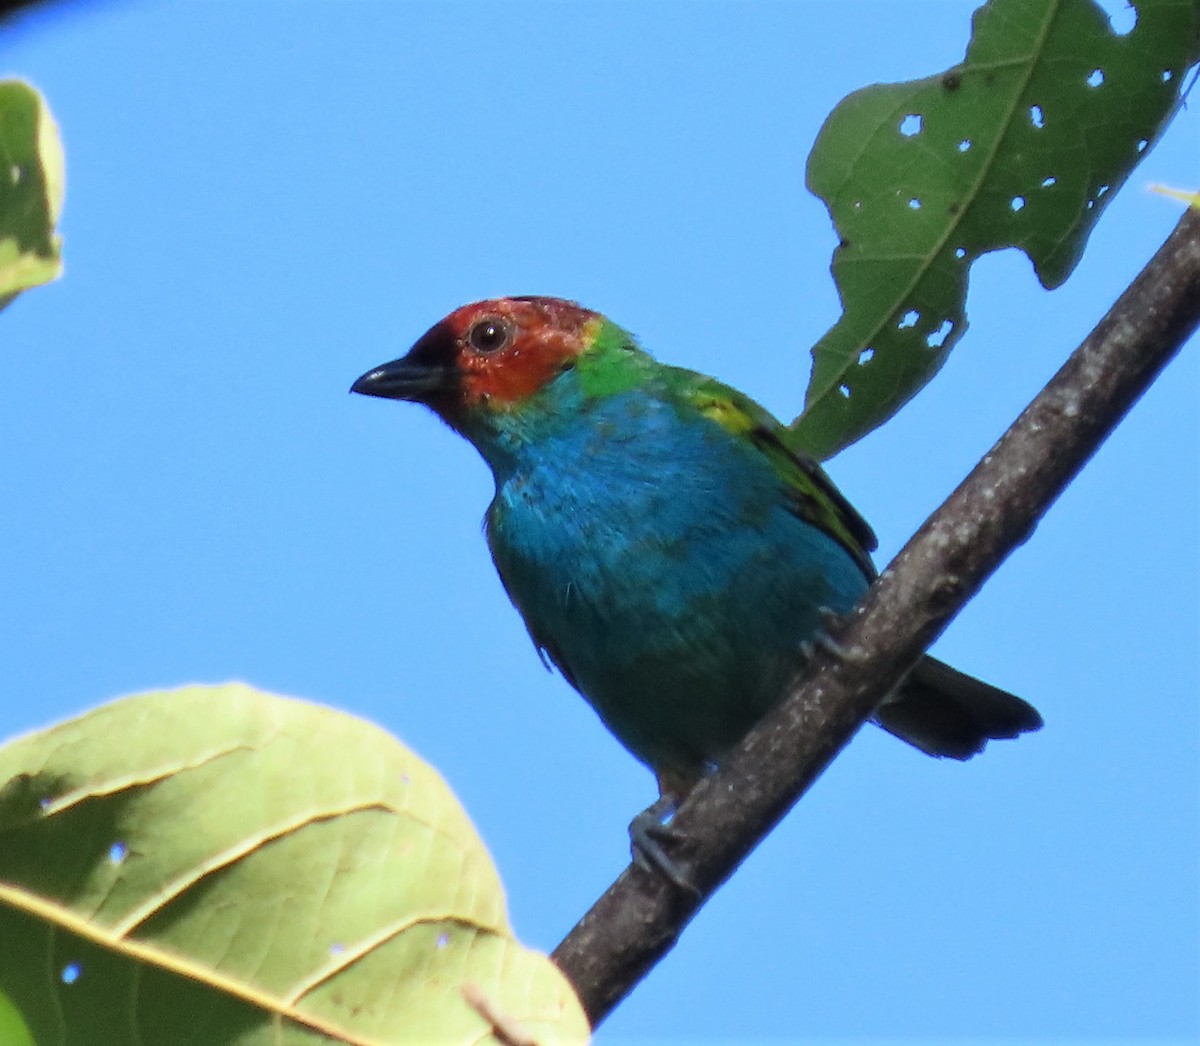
(725, 413)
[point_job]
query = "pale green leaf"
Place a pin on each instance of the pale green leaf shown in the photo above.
(1022, 145)
(215, 865)
(13, 1029)
(31, 191)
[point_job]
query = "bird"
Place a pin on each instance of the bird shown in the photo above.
(671, 554)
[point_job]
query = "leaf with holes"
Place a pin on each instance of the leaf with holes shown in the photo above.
(1022, 145)
(31, 191)
(219, 865)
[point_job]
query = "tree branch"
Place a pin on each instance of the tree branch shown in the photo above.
(994, 510)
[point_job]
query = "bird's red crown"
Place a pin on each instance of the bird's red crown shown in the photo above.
(505, 349)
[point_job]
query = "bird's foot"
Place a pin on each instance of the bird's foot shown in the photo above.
(822, 640)
(647, 834)
(830, 617)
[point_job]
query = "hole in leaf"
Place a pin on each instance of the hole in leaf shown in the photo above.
(857, 205)
(443, 940)
(1141, 145)
(914, 204)
(1017, 203)
(1091, 204)
(939, 336)
(336, 949)
(964, 145)
(960, 253)
(1036, 117)
(1122, 17)
(70, 973)
(909, 319)
(911, 125)
(866, 356)
(1095, 78)
(1101, 191)
(117, 853)
(15, 174)
(845, 391)
(1167, 76)
(1047, 182)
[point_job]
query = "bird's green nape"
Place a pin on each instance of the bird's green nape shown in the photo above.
(613, 362)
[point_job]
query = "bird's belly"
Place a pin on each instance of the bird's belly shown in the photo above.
(680, 618)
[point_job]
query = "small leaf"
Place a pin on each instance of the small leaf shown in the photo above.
(1021, 145)
(218, 865)
(31, 191)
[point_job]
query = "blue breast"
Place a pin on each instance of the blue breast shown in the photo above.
(655, 559)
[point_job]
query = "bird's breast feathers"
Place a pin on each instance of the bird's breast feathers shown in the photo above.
(634, 529)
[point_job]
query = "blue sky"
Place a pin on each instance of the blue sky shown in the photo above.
(265, 199)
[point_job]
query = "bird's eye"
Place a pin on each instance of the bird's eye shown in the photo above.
(489, 334)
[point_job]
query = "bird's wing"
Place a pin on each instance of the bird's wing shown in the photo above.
(814, 497)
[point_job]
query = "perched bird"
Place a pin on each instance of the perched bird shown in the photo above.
(669, 553)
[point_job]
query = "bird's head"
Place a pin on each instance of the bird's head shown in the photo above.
(487, 358)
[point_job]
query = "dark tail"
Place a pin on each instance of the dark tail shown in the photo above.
(946, 713)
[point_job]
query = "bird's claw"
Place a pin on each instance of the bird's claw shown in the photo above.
(647, 833)
(830, 617)
(822, 639)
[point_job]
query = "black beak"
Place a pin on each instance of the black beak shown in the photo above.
(405, 379)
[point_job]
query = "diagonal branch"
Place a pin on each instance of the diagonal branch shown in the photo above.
(993, 511)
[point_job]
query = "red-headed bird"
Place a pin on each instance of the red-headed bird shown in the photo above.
(670, 554)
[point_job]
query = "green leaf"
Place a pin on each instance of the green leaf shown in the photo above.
(218, 865)
(13, 1029)
(1022, 145)
(31, 191)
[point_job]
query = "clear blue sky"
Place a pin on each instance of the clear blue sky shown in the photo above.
(265, 199)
